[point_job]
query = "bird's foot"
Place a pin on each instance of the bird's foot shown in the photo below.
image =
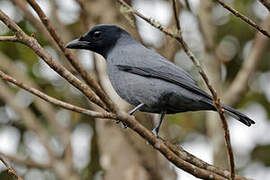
(123, 125)
(155, 132)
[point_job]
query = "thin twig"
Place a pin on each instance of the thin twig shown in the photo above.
(28, 15)
(83, 72)
(176, 15)
(187, 5)
(8, 38)
(85, 20)
(45, 108)
(41, 29)
(61, 70)
(10, 169)
(244, 18)
(56, 101)
(169, 46)
(26, 162)
(216, 101)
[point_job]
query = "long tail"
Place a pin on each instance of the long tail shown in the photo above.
(232, 112)
(238, 115)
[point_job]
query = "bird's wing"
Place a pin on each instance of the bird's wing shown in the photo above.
(166, 76)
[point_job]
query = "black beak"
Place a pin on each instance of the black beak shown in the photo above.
(78, 44)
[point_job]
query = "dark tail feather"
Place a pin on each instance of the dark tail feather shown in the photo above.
(238, 115)
(231, 112)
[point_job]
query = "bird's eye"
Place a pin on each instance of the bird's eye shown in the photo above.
(97, 34)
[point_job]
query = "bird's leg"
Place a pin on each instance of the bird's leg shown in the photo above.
(131, 112)
(156, 129)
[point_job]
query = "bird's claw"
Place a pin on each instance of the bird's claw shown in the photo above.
(155, 132)
(123, 125)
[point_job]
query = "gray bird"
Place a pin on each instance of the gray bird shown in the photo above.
(145, 79)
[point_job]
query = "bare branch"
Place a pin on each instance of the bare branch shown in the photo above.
(23, 6)
(10, 169)
(42, 29)
(26, 162)
(8, 38)
(34, 45)
(176, 15)
(188, 5)
(84, 74)
(244, 18)
(169, 46)
(55, 101)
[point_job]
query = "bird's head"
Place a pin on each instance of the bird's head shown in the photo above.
(100, 39)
